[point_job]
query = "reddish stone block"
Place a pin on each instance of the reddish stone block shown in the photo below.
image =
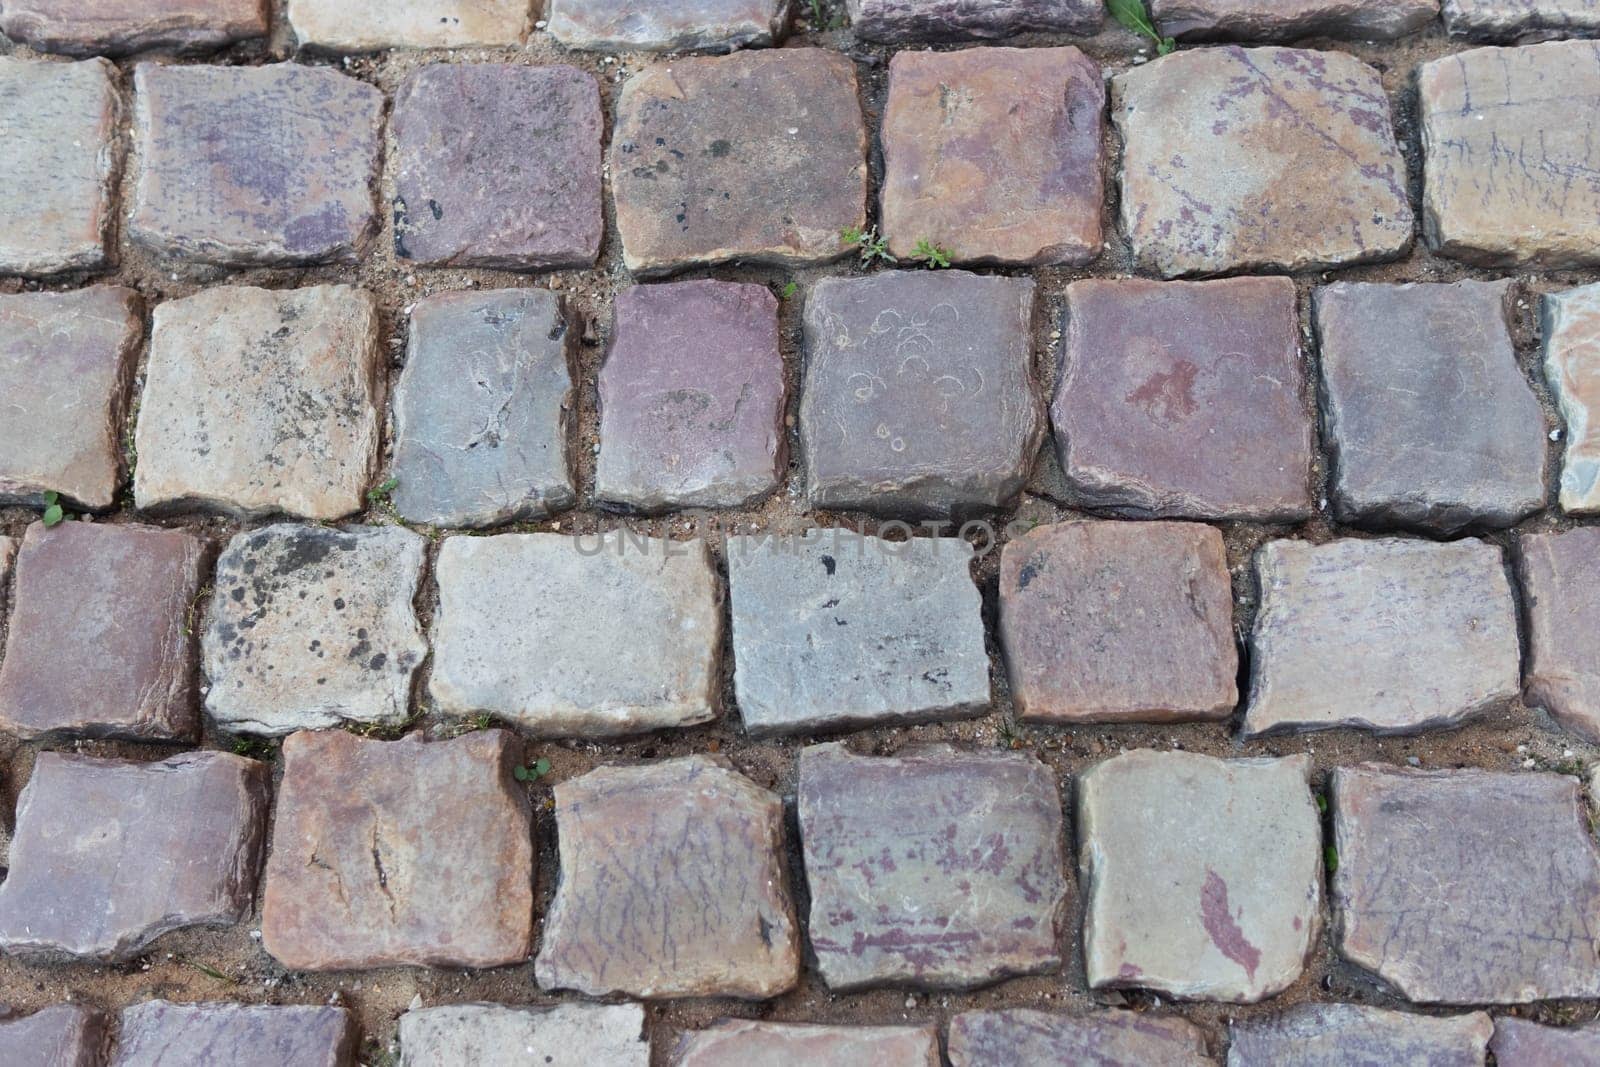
(95, 27)
(1560, 574)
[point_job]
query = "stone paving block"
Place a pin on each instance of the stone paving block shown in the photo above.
(371, 25)
(1509, 136)
(835, 630)
(1338, 1035)
(58, 121)
(498, 166)
(62, 1035)
(1560, 577)
(692, 397)
(1571, 329)
(1185, 400)
(94, 27)
(1429, 420)
(995, 155)
(481, 409)
(577, 636)
(1239, 159)
(399, 852)
(1519, 1043)
(247, 166)
(756, 1044)
(1467, 886)
(490, 1035)
(1284, 20)
(258, 402)
(759, 157)
(907, 21)
(1119, 622)
(109, 854)
(919, 397)
(311, 627)
(65, 362)
(1508, 20)
(1104, 1038)
(674, 884)
(1387, 635)
(679, 26)
(935, 869)
(99, 642)
(157, 1033)
(1202, 876)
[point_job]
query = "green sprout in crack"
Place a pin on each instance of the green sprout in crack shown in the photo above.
(379, 494)
(538, 770)
(868, 242)
(930, 255)
(54, 514)
(1132, 14)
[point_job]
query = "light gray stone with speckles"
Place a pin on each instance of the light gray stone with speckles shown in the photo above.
(676, 26)
(1509, 20)
(1339, 1035)
(493, 1035)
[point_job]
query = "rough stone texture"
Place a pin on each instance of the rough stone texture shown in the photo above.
(906, 21)
(310, 627)
(935, 868)
(1429, 420)
(259, 401)
(481, 410)
(65, 361)
(1519, 1043)
(8, 552)
(1202, 876)
(995, 154)
(95, 27)
(244, 166)
(679, 26)
(1560, 576)
(758, 156)
(1501, 20)
(489, 1035)
(919, 397)
(835, 630)
(1119, 622)
(370, 25)
(726, 928)
(1185, 400)
(757, 1044)
(577, 636)
(58, 121)
(399, 852)
(1104, 1039)
(109, 855)
(1467, 886)
(98, 643)
(691, 397)
(1338, 1035)
(62, 1035)
(1387, 635)
(1237, 159)
(1572, 367)
(158, 1033)
(1283, 20)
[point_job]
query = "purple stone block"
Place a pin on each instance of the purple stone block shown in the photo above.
(901, 21)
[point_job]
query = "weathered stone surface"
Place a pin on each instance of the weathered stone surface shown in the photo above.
(1467, 886)
(370, 25)
(755, 1044)
(481, 409)
(99, 643)
(1572, 367)
(8, 552)
(995, 154)
(680, 26)
(259, 401)
(109, 855)
(158, 1032)
(1185, 399)
(691, 397)
(1280, 20)
(1202, 876)
(757, 156)
(498, 165)
(62, 1035)
(1386, 635)
(936, 868)
(903, 21)
(1119, 622)
(399, 852)
(726, 927)
(65, 361)
(1560, 575)
(577, 636)
(1429, 420)
(240, 166)
(834, 630)
(490, 1035)
(1236, 159)
(1338, 1035)
(1105, 1039)
(58, 121)
(1501, 20)
(1519, 1043)
(919, 395)
(310, 627)
(94, 27)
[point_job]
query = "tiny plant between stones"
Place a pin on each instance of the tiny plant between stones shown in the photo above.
(930, 255)
(53, 513)
(1132, 14)
(871, 246)
(538, 770)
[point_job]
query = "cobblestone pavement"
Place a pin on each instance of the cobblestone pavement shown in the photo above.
(416, 672)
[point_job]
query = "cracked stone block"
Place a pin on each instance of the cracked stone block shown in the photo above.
(912, 21)
(255, 166)
(1203, 877)
(158, 1032)
(62, 1035)
(692, 398)
(406, 852)
(1560, 576)
(1571, 322)
(259, 401)
(1388, 635)
(1261, 158)
(99, 642)
(919, 397)
(109, 855)
(759, 157)
(498, 165)
(1185, 400)
(481, 409)
(680, 26)
(65, 363)
(1467, 886)
(756, 1044)
(836, 630)
(1337, 1035)
(1287, 20)
(1102, 1038)
(588, 636)
(372, 25)
(1119, 622)
(94, 27)
(490, 1035)
(1429, 420)
(1519, 1043)
(935, 869)
(1509, 20)
(59, 123)
(674, 884)
(995, 155)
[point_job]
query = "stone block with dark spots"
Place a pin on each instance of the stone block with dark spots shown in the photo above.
(62, 1035)
(738, 1043)
(1103, 1038)
(911, 21)
(1571, 332)
(678, 26)
(95, 27)
(492, 1035)
(1560, 575)
(1511, 20)
(371, 25)
(1520, 1043)
(1287, 20)
(156, 1033)
(1337, 1035)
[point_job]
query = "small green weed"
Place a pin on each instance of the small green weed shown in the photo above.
(253, 748)
(869, 243)
(1330, 857)
(790, 289)
(1132, 14)
(212, 972)
(539, 769)
(1322, 803)
(821, 19)
(930, 255)
(53, 511)
(379, 494)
